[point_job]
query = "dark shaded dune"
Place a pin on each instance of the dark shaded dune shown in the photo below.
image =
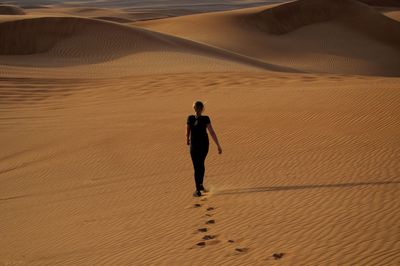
(11, 10)
(37, 35)
(381, 2)
(288, 17)
(79, 36)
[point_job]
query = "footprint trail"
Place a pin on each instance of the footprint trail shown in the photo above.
(208, 237)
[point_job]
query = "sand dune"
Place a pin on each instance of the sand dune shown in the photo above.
(83, 37)
(289, 17)
(11, 10)
(69, 41)
(332, 41)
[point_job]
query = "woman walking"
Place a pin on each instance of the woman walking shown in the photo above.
(197, 138)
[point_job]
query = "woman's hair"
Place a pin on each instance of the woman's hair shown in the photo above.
(198, 106)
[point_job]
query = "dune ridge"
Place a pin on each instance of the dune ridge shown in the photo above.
(115, 19)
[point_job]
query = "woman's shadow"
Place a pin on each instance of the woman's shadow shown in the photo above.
(298, 187)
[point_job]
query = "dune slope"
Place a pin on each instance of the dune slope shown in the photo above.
(98, 172)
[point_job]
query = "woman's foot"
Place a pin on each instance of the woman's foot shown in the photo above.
(197, 193)
(203, 189)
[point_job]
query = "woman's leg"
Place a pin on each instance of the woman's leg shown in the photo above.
(202, 167)
(199, 154)
(196, 159)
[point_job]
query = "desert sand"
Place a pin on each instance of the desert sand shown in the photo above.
(304, 97)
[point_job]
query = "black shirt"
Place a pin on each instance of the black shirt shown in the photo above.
(198, 128)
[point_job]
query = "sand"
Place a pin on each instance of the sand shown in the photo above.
(94, 168)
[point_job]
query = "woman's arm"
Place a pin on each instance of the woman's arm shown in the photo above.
(214, 137)
(188, 135)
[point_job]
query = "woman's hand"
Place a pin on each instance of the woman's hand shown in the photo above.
(187, 134)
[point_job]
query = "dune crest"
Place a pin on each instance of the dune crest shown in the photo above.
(115, 19)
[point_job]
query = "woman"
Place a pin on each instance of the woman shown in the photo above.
(197, 138)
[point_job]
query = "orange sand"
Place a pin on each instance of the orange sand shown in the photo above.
(94, 169)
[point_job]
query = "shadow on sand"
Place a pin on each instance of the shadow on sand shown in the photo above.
(294, 187)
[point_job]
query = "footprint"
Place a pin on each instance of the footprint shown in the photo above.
(210, 209)
(278, 256)
(209, 237)
(201, 244)
(197, 205)
(231, 241)
(210, 222)
(241, 250)
(203, 230)
(209, 215)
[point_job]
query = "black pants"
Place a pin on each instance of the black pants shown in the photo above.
(198, 152)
